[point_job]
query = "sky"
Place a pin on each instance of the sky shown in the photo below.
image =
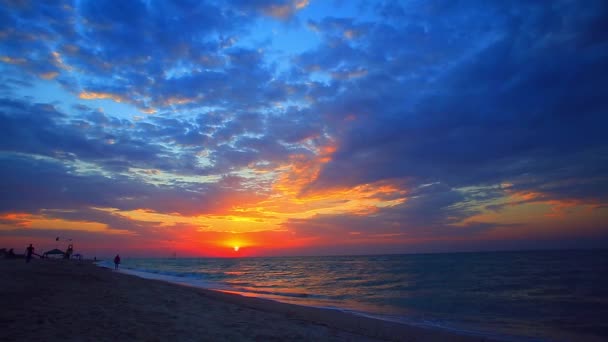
(303, 127)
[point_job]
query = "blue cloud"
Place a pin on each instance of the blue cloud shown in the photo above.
(463, 95)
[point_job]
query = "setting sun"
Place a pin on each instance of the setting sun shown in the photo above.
(236, 248)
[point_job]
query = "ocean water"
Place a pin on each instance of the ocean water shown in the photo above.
(515, 296)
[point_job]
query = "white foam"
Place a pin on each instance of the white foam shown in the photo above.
(186, 281)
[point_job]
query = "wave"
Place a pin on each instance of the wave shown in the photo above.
(281, 293)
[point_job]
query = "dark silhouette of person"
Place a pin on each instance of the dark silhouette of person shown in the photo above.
(11, 253)
(28, 254)
(116, 261)
(69, 251)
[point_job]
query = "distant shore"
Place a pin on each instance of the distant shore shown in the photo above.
(48, 300)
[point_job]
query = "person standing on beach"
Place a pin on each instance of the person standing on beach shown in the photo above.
(116, 261)
(28, 253)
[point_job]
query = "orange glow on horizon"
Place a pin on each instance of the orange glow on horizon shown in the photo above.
(250, 225)
(273, 221)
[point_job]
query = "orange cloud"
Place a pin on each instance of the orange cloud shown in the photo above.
(524, 196)
(178, 101)
(10, 60)
(578, 221)
(91, 95)
(12, 220)
(287, 10)
(529, 214)
(301, 4)
(49, 75)
(33, 221)
(58, 61)
(290, 197)
(147, 110)
(562, 208)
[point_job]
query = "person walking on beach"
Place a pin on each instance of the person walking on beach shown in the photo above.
(28, 253)
(116, 261)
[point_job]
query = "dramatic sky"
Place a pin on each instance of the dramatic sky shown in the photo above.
(295, 127)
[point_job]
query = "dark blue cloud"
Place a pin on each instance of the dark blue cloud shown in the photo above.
(529, 101)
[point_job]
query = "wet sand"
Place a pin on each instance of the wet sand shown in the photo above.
(53, 300)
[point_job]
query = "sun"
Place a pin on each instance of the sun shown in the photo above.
(236, 248)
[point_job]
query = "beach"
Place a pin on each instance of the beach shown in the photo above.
(48, 300)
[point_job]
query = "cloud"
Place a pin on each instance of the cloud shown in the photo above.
(279, 9)
(94, 96)
(500, 110)
(460, 109)
(37, 184)
(428, 211)
(151, 55)
(42, 130)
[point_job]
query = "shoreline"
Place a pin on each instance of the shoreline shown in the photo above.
(62, 299)
(208, 286)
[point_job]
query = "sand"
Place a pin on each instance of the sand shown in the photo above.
(60, 300)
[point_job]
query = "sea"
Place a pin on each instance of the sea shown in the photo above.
(511, 296)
